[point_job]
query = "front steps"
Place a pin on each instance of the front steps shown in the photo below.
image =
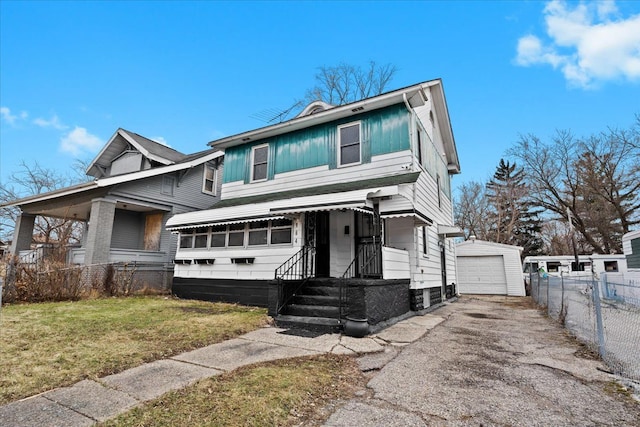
(315, 307)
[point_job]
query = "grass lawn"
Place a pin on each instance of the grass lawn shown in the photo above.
(281, 393)
(48, 345)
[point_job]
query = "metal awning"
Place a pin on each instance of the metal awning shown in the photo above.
(354, 200)
(418, 217)
(450, 231)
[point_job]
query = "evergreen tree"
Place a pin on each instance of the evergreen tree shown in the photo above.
(514, 219)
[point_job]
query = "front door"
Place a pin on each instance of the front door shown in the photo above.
(368, 246)
(323, 250)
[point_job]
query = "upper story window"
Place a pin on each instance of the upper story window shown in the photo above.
(420, 160)
(349, 144)
(209, 180)
(259, 161)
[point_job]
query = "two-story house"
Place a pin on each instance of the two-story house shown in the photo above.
(138, 184)
(342, 211)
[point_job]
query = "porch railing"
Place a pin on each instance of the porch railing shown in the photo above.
(366, 264)
(299, 267)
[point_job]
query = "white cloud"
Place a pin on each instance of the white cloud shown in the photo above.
(588, 42)
(78, 141)
(53, 122)
(160, 140)
(5, 113)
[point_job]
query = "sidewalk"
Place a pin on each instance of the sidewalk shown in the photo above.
(88, 402)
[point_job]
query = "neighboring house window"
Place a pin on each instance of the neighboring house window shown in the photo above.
(167, 185)
(349, 144)
(425, 241)
(611, 266)
(259, 161)
(209, 180)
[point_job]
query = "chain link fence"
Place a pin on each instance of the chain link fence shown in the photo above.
(602, 311)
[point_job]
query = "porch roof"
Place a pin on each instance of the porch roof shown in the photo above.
(355, 200)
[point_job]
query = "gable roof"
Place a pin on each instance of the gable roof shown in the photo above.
(414, 96)
(119, 142)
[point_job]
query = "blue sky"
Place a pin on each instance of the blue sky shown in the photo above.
(186, 73)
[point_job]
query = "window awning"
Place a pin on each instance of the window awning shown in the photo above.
(354, 200)
(450, 231)
(418, 217)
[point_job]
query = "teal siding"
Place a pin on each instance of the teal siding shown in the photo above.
(383, 131)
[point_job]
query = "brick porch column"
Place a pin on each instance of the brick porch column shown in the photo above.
(98, 240)
(23, 233)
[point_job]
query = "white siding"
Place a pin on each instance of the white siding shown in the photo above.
(395, 264)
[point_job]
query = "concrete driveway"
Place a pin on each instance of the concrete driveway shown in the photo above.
(494, 361)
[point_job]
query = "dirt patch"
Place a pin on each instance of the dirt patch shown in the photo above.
(482, 316)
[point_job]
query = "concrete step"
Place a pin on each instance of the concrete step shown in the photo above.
(306, 299)
(320, 324)
(306, 310)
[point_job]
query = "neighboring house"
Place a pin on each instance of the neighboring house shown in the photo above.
(489, 268)
(349, 208)
(138, 184)
(631, 248)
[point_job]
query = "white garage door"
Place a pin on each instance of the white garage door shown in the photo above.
(482, 275)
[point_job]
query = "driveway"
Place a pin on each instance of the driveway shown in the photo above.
(494, 361)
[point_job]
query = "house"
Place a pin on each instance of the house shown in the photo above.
(489, 268)
(138, 184)
(631, 248)
(340, 212)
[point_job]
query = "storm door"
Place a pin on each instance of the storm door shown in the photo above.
(317, 234)
(368, 244)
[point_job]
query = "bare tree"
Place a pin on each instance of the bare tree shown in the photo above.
(596, 179)
(32, 180)
(471, 210)
(345, 83)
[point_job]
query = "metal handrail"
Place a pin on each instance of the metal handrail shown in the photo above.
(299, 267)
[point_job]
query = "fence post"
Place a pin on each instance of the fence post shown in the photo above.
(548, 286)
(595, 290)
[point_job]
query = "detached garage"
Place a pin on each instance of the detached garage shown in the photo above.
(489, 268)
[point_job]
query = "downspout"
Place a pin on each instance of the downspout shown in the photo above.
(416, 246)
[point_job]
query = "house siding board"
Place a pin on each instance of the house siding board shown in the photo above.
(383, 131)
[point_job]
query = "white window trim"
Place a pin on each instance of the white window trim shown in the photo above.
(214, 191)
(253, 151)
(339, 146)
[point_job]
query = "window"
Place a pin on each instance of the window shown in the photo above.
(425, 241)
(218, 236)
(281, 231)
(260, 158)
(201, 237)
(209, 181)
(420, 147)
(258, 233)
(553, 267)
(611, 266)
(167, 185)
(439, 191)
(236, 235)
(582, 266)
(349, 144)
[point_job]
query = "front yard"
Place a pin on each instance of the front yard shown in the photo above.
(48, 345)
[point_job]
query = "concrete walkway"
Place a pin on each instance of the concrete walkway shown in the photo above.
(88, 402)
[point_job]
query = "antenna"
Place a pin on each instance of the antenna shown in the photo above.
(274, 115)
